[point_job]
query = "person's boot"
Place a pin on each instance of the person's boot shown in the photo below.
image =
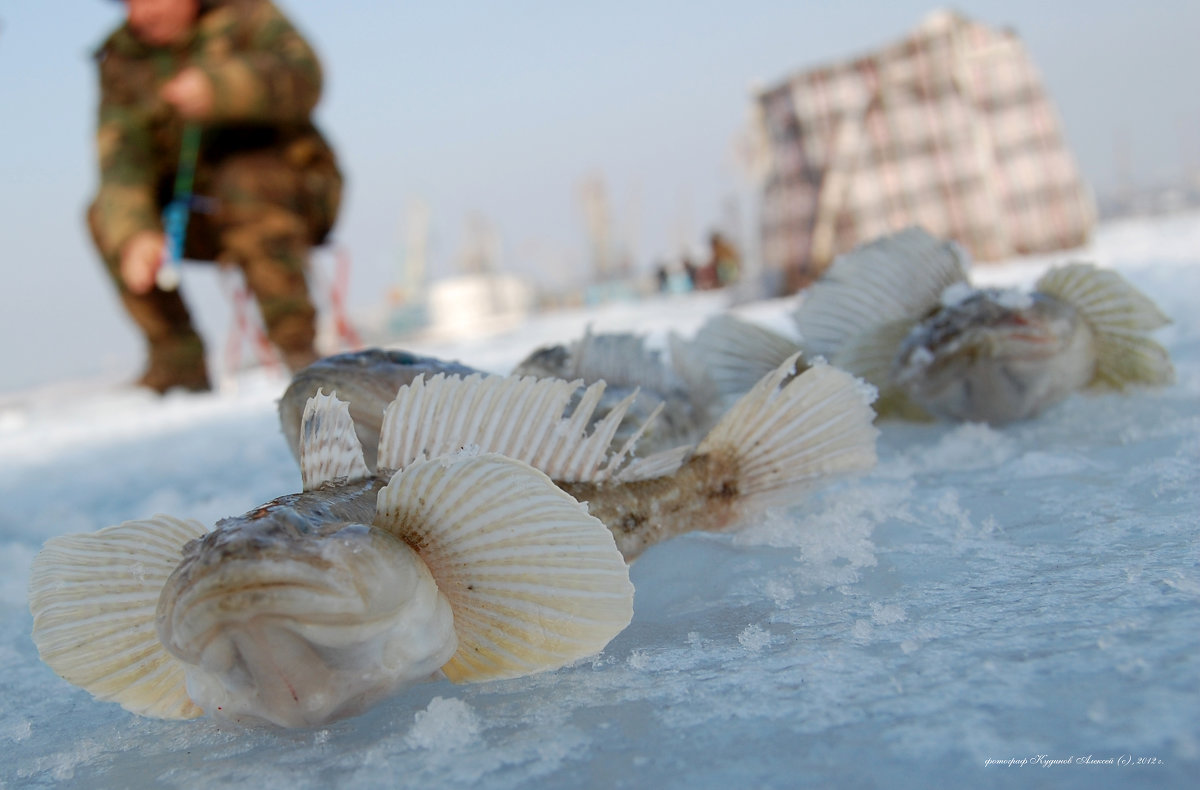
(299, 359)
(293, 332)
(176, 362)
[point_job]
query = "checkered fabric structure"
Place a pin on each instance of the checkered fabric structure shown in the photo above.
(949, 129)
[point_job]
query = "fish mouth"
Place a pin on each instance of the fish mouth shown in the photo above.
(296, 643)
(933, 351)
(991, 325)
(1018, 338)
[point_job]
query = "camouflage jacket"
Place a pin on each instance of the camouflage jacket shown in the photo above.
(266, 81)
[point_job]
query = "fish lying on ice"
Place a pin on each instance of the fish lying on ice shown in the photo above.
(318, 604)
(787, 433)
(900, 313)
(672, 407)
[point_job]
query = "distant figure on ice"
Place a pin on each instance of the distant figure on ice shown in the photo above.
(723, 258)
(216, 95)
(721, 268)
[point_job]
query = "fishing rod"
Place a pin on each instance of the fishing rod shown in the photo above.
(175, 215)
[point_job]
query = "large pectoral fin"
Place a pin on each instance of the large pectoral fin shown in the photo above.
(533, 580)
(1121, 318)
(94, 598)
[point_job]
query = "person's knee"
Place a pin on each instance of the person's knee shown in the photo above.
(263, 186)
(264, 232)
(109, 257)
(281, 290)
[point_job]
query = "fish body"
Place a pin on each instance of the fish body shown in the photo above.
(701, 496)
(316, 605)
(995, 356)
(788, 432)
(900, 313)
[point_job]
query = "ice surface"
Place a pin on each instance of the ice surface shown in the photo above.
(983, 594)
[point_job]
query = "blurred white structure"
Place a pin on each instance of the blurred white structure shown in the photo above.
(476, 304)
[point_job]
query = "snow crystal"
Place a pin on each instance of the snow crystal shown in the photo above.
(444, 725)
(754, 638)
(638, 660)
(1012, 298)
(867, 391)
(920, 357)
(956, 293)
(967, 446)
(886, 614)
(861, 631)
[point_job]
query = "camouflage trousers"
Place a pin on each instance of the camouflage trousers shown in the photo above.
(261, 214)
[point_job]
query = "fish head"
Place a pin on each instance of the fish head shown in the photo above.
(995, 355)
(546, 362)
(282, 622)
(367, 380)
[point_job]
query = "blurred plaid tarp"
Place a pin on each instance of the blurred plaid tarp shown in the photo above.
(949, 129)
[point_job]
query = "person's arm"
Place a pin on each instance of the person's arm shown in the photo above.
(277, 78)
(126, 199)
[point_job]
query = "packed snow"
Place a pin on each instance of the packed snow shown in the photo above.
(986, 608)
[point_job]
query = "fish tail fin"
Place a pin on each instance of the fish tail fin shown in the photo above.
(94, 599)
(1120, 317)
(727, 356)
(898, 277)
(793, 431)
(533, 580)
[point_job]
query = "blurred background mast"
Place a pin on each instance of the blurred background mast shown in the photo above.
(593, 196)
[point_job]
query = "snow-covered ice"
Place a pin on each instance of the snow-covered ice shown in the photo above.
(1022, 596)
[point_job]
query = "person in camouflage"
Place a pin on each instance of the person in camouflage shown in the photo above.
(267, 182)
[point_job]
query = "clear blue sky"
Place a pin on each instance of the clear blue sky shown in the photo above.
(501, 109)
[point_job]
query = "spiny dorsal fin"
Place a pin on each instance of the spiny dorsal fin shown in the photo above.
(702, 391)
(533, 580)
(783, 439)
(94, 598)
(518, 417)
(329, 448)
(661, 464)
(734, 354)
(1120, 316)
(622, 360)
(896, 277)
